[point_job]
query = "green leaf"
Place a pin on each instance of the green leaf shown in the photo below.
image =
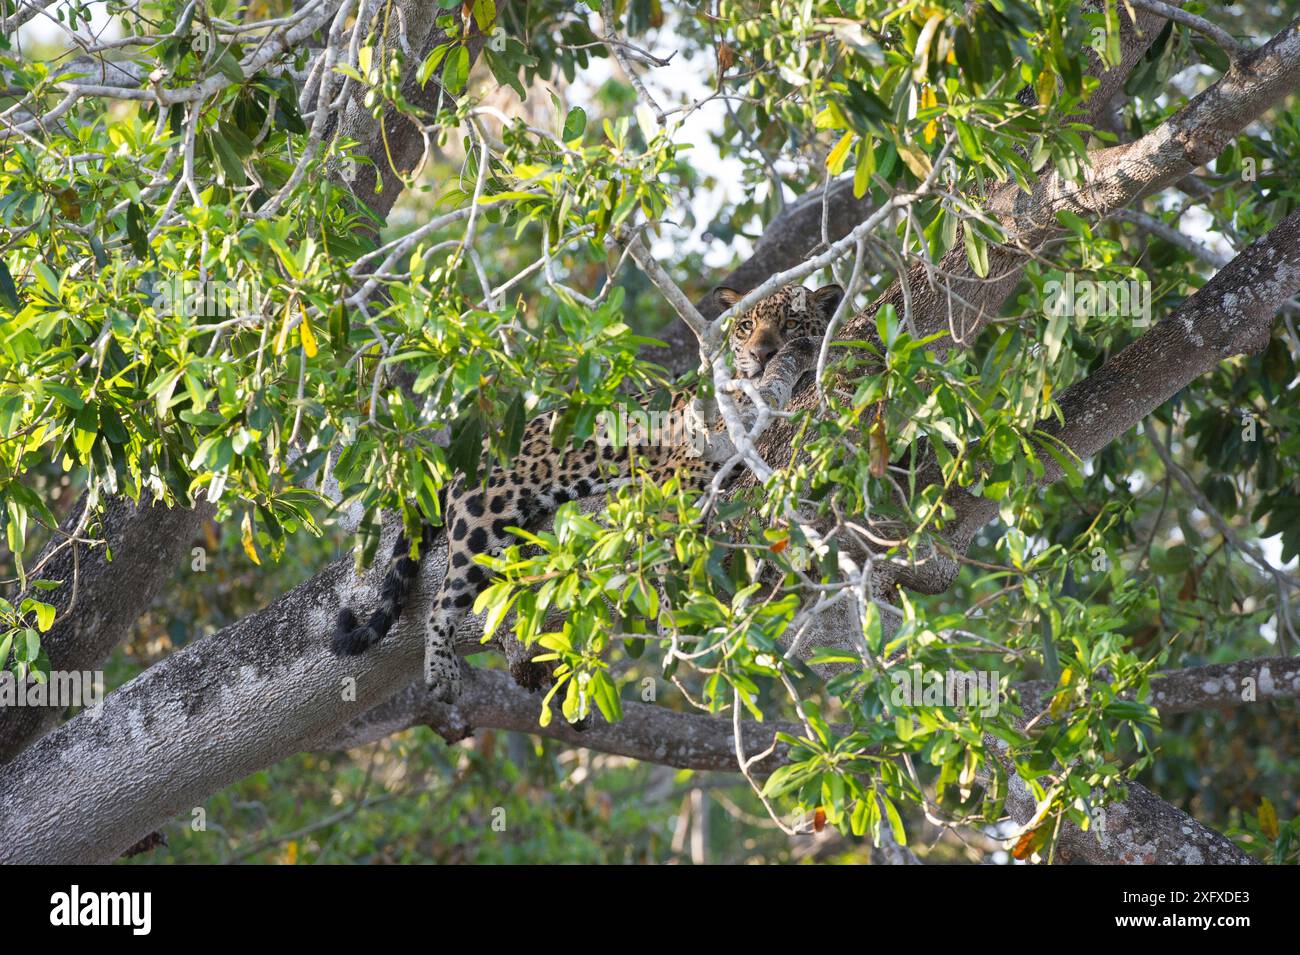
(287, 116)
(431, 62)
(786, 778)
(895, 821)
(166, 387)
(865, 168)
(485, 14)
(97, 249)
(574, 124)
(8, 290)
(512, 428)
(136, 232)
(605, 693)
(466, 447)
(428, 374)
(977, 251)
(497, 610)
(45, 614)
(231, 165)
(455, 71)
(228, 64)
(47, 277)
(27, 646)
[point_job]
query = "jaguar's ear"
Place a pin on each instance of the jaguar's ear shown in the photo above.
(828, 298)
(726, 297)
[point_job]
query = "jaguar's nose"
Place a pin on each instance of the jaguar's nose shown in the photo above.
(763, 353)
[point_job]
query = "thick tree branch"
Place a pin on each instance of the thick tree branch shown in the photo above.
(796, 233)
(492, 700)
(265, 688)
(1142, 829)
(1213, 686)
(394, 145)
(687, 740)
(203, 718)
(150, 543)
(1230, 315)
(1198, 132)
(1114, 177)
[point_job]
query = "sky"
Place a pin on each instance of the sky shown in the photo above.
(686, 79)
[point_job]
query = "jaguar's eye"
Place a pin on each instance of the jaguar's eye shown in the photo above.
(790, 325)
(744, 326)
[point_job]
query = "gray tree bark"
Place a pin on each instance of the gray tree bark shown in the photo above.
(150, 544)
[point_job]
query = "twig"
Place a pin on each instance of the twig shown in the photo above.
(1225, 40)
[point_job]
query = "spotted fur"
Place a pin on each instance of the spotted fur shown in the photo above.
(541, 478)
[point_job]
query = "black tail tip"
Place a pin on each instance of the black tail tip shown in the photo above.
(349, 639)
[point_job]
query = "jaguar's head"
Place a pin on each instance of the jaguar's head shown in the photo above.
(790, 312)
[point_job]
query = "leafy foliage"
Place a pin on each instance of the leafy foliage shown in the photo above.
(193, 300)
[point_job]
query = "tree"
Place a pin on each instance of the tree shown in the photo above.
(1021, 505)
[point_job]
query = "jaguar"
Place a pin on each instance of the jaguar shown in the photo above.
(477, 514)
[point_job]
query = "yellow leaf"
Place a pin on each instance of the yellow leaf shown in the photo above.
(832, 117)
(246, 538)
(835, 161)
(878, 448)
(1059, 706)
(928, 101)
(1267, 818)
(1030, 842)
(527, 170)
(308, 336)
(915, 159)
(1046, 87)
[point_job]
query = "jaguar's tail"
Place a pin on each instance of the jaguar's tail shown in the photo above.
(350, 639)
